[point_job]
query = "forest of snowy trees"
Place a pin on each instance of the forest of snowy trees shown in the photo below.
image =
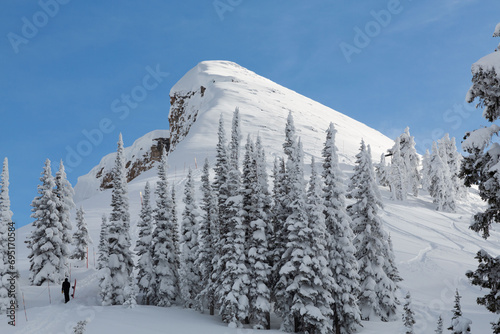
(308, 251)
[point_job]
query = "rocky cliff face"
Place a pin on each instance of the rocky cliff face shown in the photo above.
(181, 116)
(139, 157)
(136, 166)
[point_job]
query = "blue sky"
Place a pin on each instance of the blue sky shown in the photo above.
(66, 65)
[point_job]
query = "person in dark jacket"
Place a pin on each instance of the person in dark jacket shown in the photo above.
(65, 289)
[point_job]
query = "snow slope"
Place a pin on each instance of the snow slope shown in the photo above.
(433, 249)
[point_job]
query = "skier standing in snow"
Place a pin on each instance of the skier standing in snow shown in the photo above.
(65, 289)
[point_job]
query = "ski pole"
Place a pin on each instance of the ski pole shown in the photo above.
(48, 287)
(24, 305)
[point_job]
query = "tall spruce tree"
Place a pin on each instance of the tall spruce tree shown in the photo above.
(459, 324)
(81, 238)
(378, 291)
(117, 274)
(233, 280)
(64, 192)
(277, 241)
(143, 248)
(47, 256)
(165, 255)
(207, 237)
(478, 168)
(221, 192)
(256, 220)
(441, 188)
(343, 263)
(7, 270)
(382, 171)
(190, 273)
(302, 291)
(102, 248)
(408, 315)
(397, 174)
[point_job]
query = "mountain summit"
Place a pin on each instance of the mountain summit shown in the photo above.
(213, 88)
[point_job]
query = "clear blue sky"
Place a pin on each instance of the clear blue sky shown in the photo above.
(65, 67)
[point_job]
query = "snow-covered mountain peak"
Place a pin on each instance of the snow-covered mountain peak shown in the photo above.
(213, 88)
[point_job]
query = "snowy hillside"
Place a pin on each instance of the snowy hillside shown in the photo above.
(433, 249)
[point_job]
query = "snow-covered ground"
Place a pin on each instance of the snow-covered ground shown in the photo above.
(433, 249)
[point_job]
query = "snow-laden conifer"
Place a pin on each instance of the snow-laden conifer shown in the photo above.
(47, 257)
(117, 274)
(411, 162)
(221, 192)
(165, 252)
(408, 315)
(102, 248)
(343, 263)
(277, 241)
(7, 267)
(426, 168)
(397, 174)
(453, 160)
(302, 291)
(190, 273)
(207, 238)
(233, 280)
(143, 247)
(441, 189)
(439, 326)
(479, 167)
(459, 323)
(256, 207)
(64, 192)
(382, 171)
(81, 238)
(378, 291)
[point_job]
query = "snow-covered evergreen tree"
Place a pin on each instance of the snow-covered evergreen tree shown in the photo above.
(439, 327)
(407, 162)
(382, 171)
(117, 275)
(64, 192)
(190, 273)
(277, 241)
(408, 315)
(6, 252)
(343, 263)
(390, 263)
(207, 238)
(46, 259)
(143, 247)
(256, 207)
(378, 291)
(102, 248)
(453, 160)
(81, 238)
(233, 280)
(426, 169)
(441, 189)
(459, 324)
(486, 277)
(479, 168)
(397, 174)
(165, 254)
(221, 192)
(302, 292)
